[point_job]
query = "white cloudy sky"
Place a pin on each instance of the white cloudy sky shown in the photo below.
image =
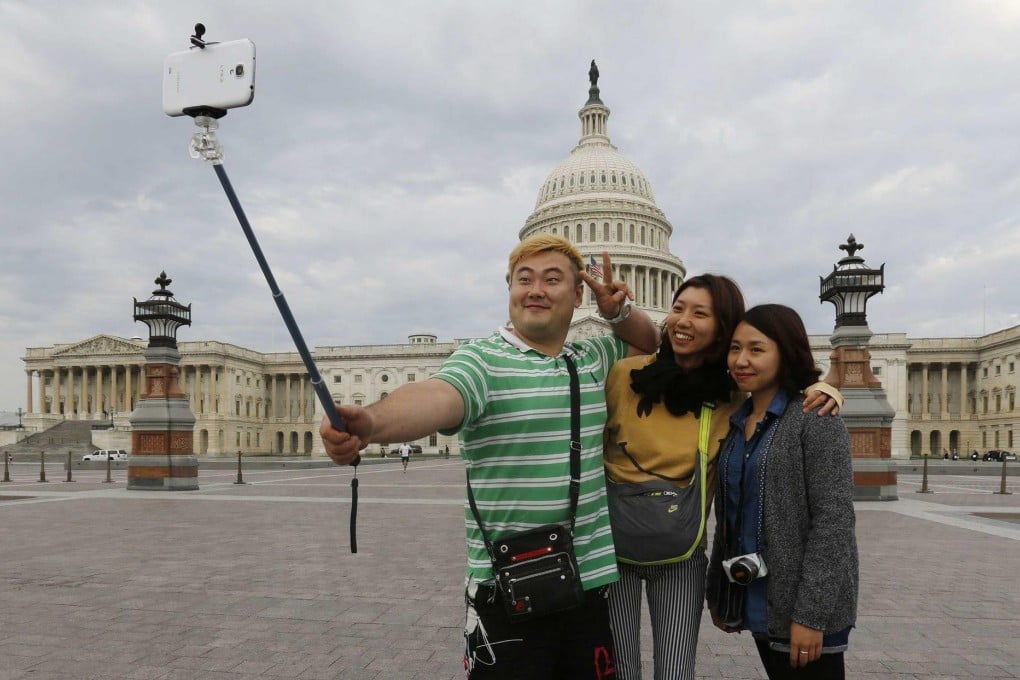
(394, 150)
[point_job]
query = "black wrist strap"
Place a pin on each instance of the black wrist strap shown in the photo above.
(575, 457)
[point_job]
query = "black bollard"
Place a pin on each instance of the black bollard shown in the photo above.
(924, 478)
(1002, 484)
(42, 466)
(69, 467)
(7, 467)
(239, 478)
(109, 477)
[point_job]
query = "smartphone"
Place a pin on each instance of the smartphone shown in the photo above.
(221, 76)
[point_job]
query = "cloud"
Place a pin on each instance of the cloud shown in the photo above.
(394, 151)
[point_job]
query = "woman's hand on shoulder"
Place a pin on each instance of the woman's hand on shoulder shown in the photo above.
(826, 398)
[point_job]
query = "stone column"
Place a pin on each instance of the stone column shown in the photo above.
(97, 405)
(304, 397)
(28, 392)
(162, 428)
(82, 394)
(42, 392)
(113, 388)
(271, 402)
(224, 393)
(965, 382)
(290, 413)
(129, 388)
(944, 392)
(866, 412)
(56, 391)
(925, 411)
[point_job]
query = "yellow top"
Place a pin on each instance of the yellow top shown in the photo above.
(660, 441)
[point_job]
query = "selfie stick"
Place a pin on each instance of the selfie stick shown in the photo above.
(204, 145)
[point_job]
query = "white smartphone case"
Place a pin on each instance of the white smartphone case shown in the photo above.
(221, 76)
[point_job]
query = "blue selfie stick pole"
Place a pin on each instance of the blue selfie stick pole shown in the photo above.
(205, 145)
(281, 302)
(295, 333)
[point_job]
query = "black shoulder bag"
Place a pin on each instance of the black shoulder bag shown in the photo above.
(536, 570)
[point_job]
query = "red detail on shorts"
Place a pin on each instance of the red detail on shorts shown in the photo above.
(533, 553)
(605, 665)
(520, 605)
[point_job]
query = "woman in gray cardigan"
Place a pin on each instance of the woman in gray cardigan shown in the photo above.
(785, 501)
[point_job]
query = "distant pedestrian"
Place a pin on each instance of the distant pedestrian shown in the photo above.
(405, 455)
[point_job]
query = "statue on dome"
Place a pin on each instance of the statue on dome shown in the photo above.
(593, 74)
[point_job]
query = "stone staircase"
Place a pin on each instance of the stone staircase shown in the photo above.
(70, 435)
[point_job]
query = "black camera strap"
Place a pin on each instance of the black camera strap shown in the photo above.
(575, 458)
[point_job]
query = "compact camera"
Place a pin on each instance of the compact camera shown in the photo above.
(743, 569)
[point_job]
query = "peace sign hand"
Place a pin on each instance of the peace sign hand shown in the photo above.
(610, 295)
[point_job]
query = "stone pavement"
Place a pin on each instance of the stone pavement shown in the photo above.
(257, 580)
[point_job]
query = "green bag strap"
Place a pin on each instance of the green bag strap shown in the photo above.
(705, 429)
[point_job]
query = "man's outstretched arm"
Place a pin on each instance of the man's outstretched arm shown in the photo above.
(409, 412)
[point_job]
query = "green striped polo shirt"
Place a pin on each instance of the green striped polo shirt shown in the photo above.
(515, 439)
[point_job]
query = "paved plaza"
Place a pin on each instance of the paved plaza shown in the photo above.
(257, 580)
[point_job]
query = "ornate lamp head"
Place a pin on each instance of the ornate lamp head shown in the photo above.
(162, 314)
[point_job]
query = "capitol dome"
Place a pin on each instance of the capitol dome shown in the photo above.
(602, 201)
(594, 167)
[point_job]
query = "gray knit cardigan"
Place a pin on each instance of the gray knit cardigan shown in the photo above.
(810, 547)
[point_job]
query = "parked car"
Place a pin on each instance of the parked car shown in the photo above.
(395, 451)
(998, 455)
(106, 454)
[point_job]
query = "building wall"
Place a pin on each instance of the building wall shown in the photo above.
(947, 392)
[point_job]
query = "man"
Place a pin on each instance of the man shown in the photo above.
(405, 455)
(508, 396)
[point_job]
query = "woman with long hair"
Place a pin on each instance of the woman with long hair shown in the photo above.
(784, 560)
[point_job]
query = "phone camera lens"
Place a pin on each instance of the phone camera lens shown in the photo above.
(239, 70)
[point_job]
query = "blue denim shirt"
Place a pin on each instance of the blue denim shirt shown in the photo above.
(743, 500)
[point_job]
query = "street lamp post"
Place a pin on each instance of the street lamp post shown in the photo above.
(162, 424)
(866, 411)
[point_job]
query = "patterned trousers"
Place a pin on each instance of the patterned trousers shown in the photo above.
(676, 597)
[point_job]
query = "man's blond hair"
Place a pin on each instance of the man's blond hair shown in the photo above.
(540, 243)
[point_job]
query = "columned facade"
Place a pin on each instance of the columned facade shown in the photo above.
(242, 400)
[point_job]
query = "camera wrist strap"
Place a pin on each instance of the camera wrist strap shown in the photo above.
(575, 458)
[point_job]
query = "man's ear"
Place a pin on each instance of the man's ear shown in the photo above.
(579, 295)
